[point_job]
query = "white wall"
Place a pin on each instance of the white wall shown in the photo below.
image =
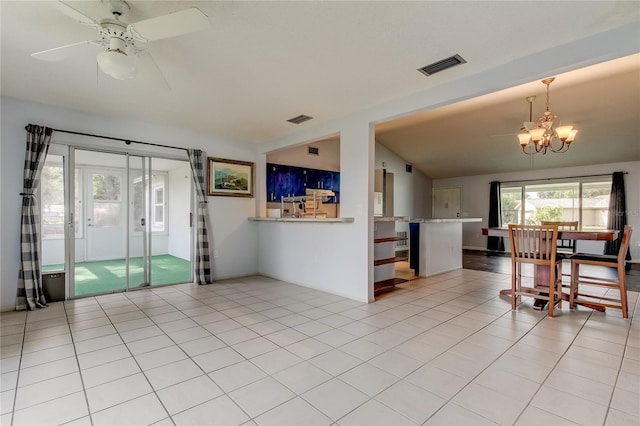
(411, 191)
(475, 198)
(179, 207)
(234, 237)
(327, 159)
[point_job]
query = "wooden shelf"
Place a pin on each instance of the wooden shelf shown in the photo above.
(389, 239)
(388, 260)
(381, 286)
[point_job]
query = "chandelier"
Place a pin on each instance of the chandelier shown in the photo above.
(539, 136)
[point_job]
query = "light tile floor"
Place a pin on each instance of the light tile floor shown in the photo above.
(443, 350)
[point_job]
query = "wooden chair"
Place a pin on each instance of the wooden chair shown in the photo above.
(568, 245)
(536, 245)
(576, 294)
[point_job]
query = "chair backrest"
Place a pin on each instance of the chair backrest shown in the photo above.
(533, 243)
(564, 225)
(568, 225)
(624, 244)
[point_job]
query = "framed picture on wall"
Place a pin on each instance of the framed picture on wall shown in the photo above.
(230, 178)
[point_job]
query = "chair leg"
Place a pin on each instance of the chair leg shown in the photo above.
(513, 285)
(552, 286)
(622, 284)
(573, 289)
(558, 283)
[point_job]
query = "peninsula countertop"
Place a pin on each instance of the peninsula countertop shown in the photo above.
(418, 220)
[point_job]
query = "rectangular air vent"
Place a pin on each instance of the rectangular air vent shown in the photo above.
(408, 168)
(299, 119)
(314, 150)
(442, 65)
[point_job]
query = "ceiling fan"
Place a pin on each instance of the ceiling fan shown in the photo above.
(121, 39)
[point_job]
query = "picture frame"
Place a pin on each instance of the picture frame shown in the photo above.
(230, 178)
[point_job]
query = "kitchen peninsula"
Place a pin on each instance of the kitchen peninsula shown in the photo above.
(435, 245)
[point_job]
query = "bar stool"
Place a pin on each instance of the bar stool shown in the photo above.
(579, 295)
(536, 245)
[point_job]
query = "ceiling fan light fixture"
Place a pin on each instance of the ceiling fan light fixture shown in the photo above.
(117, 64)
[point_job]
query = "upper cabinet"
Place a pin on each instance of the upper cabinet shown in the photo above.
(286, 181)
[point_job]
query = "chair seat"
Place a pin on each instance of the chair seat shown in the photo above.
(595, 257)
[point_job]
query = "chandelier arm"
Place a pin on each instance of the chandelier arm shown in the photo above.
(528, 152)
(563, 148)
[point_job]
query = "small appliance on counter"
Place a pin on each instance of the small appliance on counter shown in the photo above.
(309, 205)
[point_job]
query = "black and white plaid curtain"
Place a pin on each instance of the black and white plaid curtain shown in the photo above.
(203, 254)
(30, 293)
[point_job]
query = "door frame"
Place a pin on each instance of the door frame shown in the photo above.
(67, 151)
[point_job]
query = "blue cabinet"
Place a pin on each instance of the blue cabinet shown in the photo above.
(285, 181)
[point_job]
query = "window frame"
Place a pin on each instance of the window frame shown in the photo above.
(580, 182)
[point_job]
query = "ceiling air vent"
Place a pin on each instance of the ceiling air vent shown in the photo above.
(442, 65)
(299, 119)
(313, 150)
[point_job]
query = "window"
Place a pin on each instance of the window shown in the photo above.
(52, 199)
(586, 201)
(107, 200)
(157, 211)
(158, 208)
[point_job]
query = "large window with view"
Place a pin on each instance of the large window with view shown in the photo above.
(585, 201)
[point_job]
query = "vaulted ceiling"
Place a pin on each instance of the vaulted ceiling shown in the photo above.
(261, 63)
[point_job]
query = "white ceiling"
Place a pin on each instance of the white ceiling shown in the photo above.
(262, 62)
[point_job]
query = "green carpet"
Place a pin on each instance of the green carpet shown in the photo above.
(109, 275)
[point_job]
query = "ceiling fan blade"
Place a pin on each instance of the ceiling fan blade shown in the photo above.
(78, 16)
(170, 25)
(62, 52)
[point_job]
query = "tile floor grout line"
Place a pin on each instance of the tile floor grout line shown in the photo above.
(75, 352)
(450, 400)
(188, 357)
(553, 369)
(136, 361)
(461, 290)
(626, 346)
(15, 391)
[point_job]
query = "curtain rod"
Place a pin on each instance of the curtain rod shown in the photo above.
(126, 141)
(566, 177)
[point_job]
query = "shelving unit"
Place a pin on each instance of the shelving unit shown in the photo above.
(385, 255)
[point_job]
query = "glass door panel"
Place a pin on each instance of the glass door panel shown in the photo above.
(100, 256)
(169, 198)
(52, 213)
(131, 221)
(138, 223)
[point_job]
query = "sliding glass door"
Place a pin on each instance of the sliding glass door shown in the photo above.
(127, 216)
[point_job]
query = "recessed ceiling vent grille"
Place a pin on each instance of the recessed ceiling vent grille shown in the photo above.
(442, 65)
(299, 119)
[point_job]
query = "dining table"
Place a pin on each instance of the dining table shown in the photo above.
(542, 272)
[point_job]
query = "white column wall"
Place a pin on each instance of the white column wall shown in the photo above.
(337, 258)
